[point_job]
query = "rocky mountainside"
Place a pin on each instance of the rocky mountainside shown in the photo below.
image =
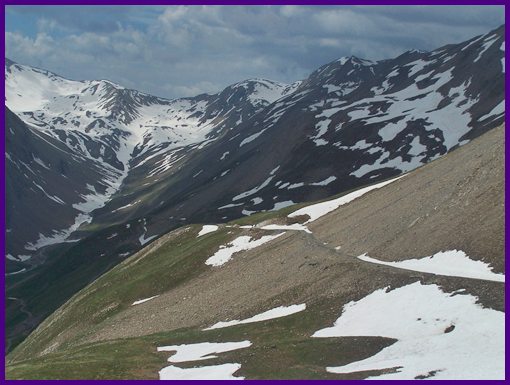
(349, 123)
(152, 165)
(46, 182)
(114, 129)
(403, 279)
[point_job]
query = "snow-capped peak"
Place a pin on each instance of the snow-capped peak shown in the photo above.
(353, 60)
(259, 92)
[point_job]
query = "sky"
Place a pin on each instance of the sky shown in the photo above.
(177, 51)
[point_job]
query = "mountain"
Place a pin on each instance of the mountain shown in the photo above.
(398, 280)
(46, 183)
(257, 146)
(115, 129)
(350, 123)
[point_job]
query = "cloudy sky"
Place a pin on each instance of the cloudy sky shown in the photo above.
(174, 51)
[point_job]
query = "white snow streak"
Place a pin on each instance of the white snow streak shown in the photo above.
(317, 210)
(277, 312)
(251, 138)
(253, 190)
(294, 226)
(143, 300)
(453, 263)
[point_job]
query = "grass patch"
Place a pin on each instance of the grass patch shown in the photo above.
(116, 360)
(281, 348)
(180, 257)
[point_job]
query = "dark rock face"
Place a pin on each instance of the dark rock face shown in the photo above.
(44, 179)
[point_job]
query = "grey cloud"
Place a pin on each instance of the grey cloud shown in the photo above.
(180, 51)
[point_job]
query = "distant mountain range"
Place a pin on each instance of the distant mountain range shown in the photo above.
(95, 171)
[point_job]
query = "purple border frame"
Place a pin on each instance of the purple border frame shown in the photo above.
(252, 2)
(240, 3)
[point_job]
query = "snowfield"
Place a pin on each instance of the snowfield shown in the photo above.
(439, 335)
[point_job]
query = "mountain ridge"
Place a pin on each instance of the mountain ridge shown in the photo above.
(349, 124)
(167, 293)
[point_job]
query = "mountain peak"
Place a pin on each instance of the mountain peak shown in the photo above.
(9, 62)
(354, 60)
(255, 81)
(112, 84)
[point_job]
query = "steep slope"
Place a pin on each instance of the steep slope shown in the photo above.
(73, 148)
(118, 129)
(351, 122)
(257, 146)
(48, 187)
(170, 291)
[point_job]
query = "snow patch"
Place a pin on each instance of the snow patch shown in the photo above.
(142, 239)
(277, 312)
(201, 351)
(230, 206)
(294, 226)
(212, 372)
(454, 263)
(143, 300)
(251, 138)
(244, 242)
(58, 236)
(253, 190)
(206, 229)
(495, 112)
(324, 182)
(295, 185)
(317, 210)
(257, 200)
(281, 205)
(17, 272)
(440, 335)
